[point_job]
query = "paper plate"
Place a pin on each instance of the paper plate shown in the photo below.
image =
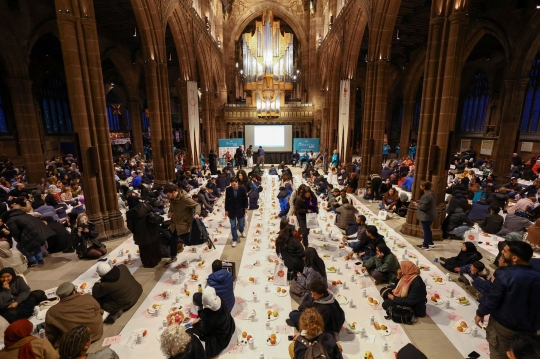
(331, 270)
(373, 304)
(272, 318)
(457, 324)
(423, 267)
(354, 330)
(438, 302)
(385, 333)
(341, 299)
(440, 283)
(152, 310)
(278, 339)
(458, 301)
(281, 294)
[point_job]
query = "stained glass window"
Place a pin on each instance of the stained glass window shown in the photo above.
(55, 106)
(473, 116)
(531, 104)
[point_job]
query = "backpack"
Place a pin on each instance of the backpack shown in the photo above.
(315, 350)
(199, 234)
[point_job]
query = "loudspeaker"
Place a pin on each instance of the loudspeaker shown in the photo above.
(94, 159)
(433, 156)
(451, 138)
(78, 152)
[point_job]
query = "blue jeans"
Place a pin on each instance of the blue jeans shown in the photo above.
(381, 206)
(428, 235)
(233, 227)
(33, 257)
(460, 231)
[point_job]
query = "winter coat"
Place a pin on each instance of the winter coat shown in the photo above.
(216, 328)
(117, 290)
(236, 206)
(272, 171)
(72, 311)
(182, 209)
(194, 349)
(18, 292)
(496, 199)
(346, 214)
(63, 237)
(85, 240)
(458, 218)
(222, 182)
(41, 348)
(308, 274)
(427, 207)
(464, 257)
(283, 197)
(47, 211)
(479, 211)
(30, 232)
(222, 281)
(492, 223)
(458, 200)
(387, 265)
(144, 233)
(329, 309)
(416, 297)
(514, 223)
(253, 198)
(327, 341)
(292, 253)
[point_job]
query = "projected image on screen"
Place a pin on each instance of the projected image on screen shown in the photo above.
(269, 136)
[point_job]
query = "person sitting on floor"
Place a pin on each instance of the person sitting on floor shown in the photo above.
(19, 343)
(389, 200)
(409, 292)
(75, 342)
(117, 290)
(514, 223)
(458, 224)
(177, 343)
(74, 309)
(479, 211)
(253, 197)
(493, 222)
(311, 325)
(360, 234)
(290, 249)
(345, 214)
(384, 266)
(477, 271)
(326, 304)
(365, 248)
(14, 296)
(314, 268)
(84, 235)
(522, 205)
(222, 281)
(468, 254)
(215, 326)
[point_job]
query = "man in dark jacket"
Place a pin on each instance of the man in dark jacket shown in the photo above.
(493, 222)
(458, 223)
(30, 234)
(295, 158)
(479, 210)
(323, 300)
(512, 301)
(366, 247)
(236, 207)
(117, 291)
(222, 182)
(63, 241)
(239, 157)
(530, 191)
(222, 281)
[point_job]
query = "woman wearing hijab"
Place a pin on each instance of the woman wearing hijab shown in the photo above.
(383, 267)
(290, 249)
(62, 241)
(533, 236)
(312, 260)
(313, 269)
(307, 203)
(21, 344)
(145, 234)
(14, 292)
(215, 325)
(409, 292)
(468, 255)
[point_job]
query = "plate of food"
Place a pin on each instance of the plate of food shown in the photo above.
(324, 246)
(423, 267)
(206, 249)
(331, 269)
(281, 292)
(272, 314)
(175, 308)
(351, 327)
(461, 327)
(153, 308)
(372, 301)
(341, 299)
(436, 299)
(439, 280)
(201, 264)
(167, 294)
(410, 255)
(326, 256)
(401, 245)
(194, 278)
(337, 283)
(270, 278)
(272, 339)
(382, 329)
(171, 317)
(462, 300)
(243, 339)
(184, 293)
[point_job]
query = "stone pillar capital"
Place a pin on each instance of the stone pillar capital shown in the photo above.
(150, 64)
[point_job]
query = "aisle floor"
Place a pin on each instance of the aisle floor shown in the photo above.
(63, 267)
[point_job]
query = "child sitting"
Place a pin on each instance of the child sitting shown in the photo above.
(478, 273)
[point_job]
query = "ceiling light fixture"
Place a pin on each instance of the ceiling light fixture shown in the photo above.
(397, 36)
(135, 34)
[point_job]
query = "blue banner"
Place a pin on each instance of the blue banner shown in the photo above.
(306, 144)
(230, 142)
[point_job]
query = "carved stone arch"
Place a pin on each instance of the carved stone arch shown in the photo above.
(130, 73)
(382, 28)
(183, 44)
(413, 76)
(12, 56)
(353, 33)
(50, 26)
(477, 30)
(255, 10)
(151, 29)
(526, 49)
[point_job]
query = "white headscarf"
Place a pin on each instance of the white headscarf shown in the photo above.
(210, 299)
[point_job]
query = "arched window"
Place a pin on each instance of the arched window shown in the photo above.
(55, 106)
(3, 116)
(417, 105)
(531, 104)
(473, 117)
(145, 121)
(397, 120)
(113, 112)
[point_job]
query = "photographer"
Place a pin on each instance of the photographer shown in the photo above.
(84, 235)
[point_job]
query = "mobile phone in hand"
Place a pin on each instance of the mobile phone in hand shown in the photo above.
(187, 326)
(474, 355)
(290, 337)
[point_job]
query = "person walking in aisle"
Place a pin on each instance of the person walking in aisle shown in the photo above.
(249, 155)
(236, 207)
(212, 162)
(426, 213)
(239, 157)
(260, 156)
(181, 212)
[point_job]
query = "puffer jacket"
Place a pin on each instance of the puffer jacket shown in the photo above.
(345, 215)
(496, 199)
(27, 230)
(222, 282)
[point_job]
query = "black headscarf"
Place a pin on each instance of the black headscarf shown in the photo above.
(470, 247)
(133, 201)
(197, 299)
(314, 261)
(8, 270)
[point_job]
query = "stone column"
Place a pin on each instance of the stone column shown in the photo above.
(80, 48)
(27, 129)
(135, 112)
(181, 88)
(375, 109)
(439, 106)
(406, 126)
(511, 113)
(332, 105)
(208, 121)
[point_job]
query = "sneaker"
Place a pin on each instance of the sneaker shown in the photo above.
(234, 244)
(442, 259)
(41, 262)
(289, 322)
(431, 246)
(179, 248)
(421, 246)
(32, 264)
(169, 262)
(242, 235)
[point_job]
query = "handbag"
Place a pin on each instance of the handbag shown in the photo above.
(311, 220)
(401, 314)
(297, 289)
(385, 291)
